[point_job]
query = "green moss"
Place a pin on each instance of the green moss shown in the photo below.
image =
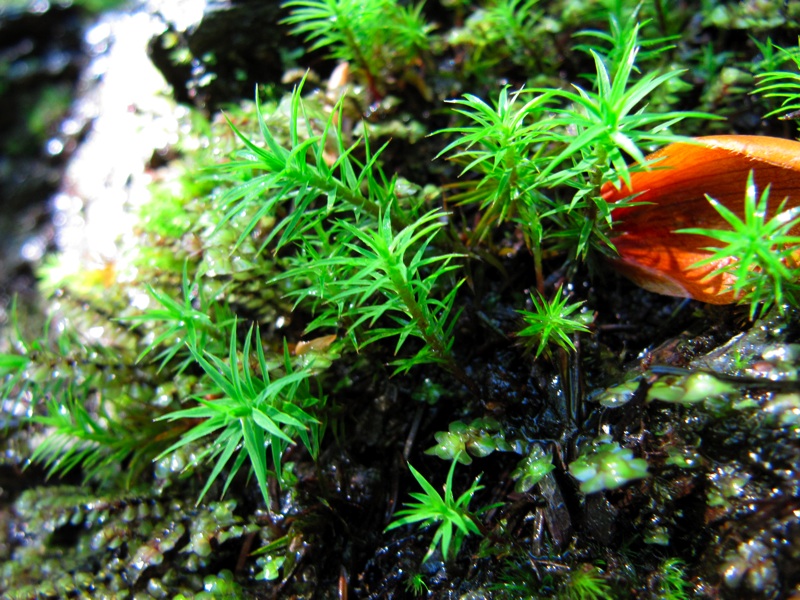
(308, 301)
(607, 466)
(82, 542)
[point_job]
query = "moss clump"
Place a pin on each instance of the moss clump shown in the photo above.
(309, 306)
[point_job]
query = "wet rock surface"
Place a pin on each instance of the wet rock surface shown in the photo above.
(229, 49)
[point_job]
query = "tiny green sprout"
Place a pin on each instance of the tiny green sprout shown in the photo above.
(689, 389)
(783, 410)
(271, 558)
(758, 251)
(587, 583)
(429, 391)
(222, 585)
(607, 466)
(617, 395)
(726, 484)
(672, 582)
(656, 535)
(452, 514)
(480, 438)
(552, 323)
(416, 585)
(683, 457)
(531, 469)
(270, 567)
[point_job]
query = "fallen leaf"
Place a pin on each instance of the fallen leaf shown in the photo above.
(650, 253)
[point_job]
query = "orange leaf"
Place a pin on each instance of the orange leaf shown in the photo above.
(651, 254)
